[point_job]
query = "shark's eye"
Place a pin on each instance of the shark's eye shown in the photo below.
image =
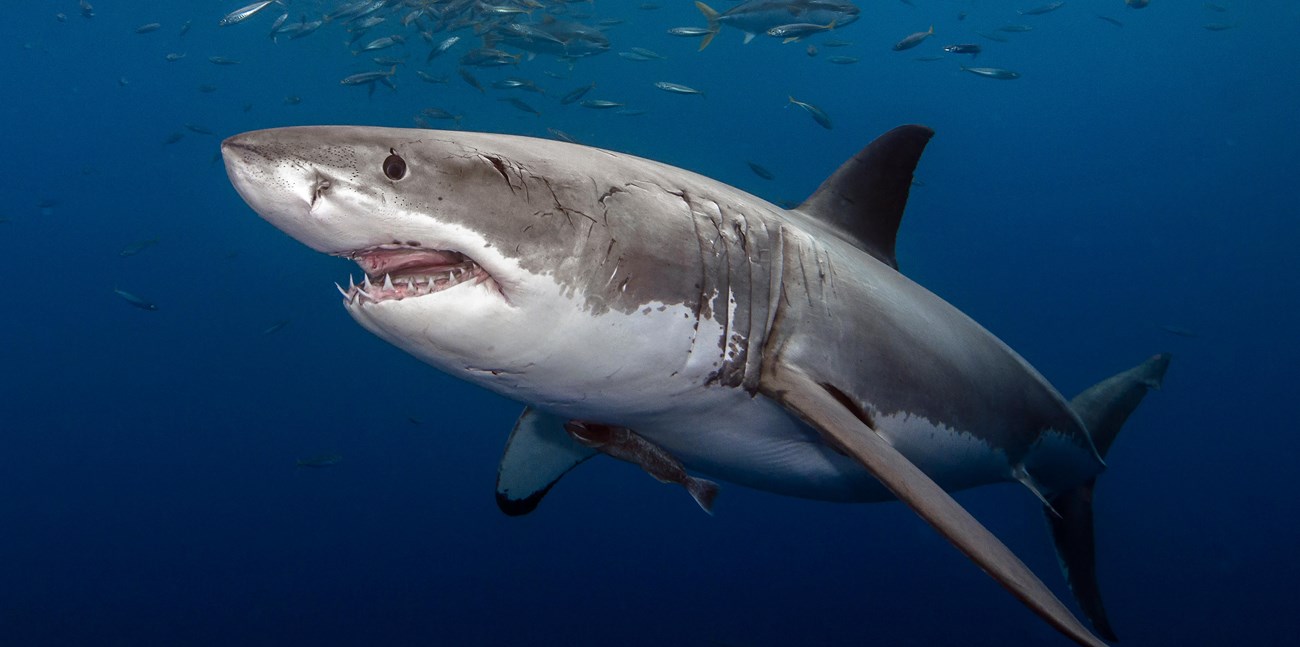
(394, 166)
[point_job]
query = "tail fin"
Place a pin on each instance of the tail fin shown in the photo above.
(1103, 408)
(1106, 405)
(703, 491)
(714, 24)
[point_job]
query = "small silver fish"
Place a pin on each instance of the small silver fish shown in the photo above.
(677, 88)
(442, 47)
(134, 300)
(818, 114)
(689, 32)
(576, 94)
(244, 13)
(136, 248)
(561, 135)
(992, 73)
(964, 48)
(600, 104)
(1040, 10)
(521, 106)
(796, 31)
(368, 77)
(648, 53)
(913, 40)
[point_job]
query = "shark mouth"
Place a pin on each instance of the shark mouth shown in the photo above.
(394, 273)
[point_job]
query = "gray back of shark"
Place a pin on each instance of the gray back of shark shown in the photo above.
(779, 349)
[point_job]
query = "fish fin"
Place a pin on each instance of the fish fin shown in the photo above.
(824, 408)
(1069, 516)
(1023, 476)
(1103, 408)
(537, 455)
(864, 199)
(703, 491)
(748, 37)
(714, 24)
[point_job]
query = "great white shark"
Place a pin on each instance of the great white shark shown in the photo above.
(659, 316)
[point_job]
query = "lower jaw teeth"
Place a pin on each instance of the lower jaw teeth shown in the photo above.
(411, 286)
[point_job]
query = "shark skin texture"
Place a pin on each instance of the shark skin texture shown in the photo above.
(657, 316)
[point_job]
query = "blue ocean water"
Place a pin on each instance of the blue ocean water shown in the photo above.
(1133, 192)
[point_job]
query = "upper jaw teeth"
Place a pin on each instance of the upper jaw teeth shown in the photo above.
(413, 285)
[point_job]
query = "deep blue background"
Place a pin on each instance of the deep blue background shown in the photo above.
(1134, 178)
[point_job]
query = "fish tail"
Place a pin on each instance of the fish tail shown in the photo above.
(1103, 408)
(714, 24)
(703, 491)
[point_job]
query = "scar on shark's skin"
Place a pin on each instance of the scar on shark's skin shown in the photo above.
(687, 326)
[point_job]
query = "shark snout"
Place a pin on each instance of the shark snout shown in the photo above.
(281, 187)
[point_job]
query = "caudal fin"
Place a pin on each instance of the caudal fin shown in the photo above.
(1103, 408)
(1106, 405)
(714, 24)
(703, 491)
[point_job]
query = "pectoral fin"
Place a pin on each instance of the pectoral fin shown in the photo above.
(538, 453)
(839, 426)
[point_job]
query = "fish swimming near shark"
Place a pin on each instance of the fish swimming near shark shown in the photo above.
(761, 16)
(657, 316)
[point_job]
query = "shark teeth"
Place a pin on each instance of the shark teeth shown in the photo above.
(414, 285)
(396, 272)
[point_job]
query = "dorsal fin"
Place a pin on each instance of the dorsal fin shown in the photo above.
(865, 198)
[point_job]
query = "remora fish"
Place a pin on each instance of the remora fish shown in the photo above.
(624, 444)
(826, 373)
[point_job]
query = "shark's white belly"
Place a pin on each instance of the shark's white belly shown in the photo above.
(752, 441)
